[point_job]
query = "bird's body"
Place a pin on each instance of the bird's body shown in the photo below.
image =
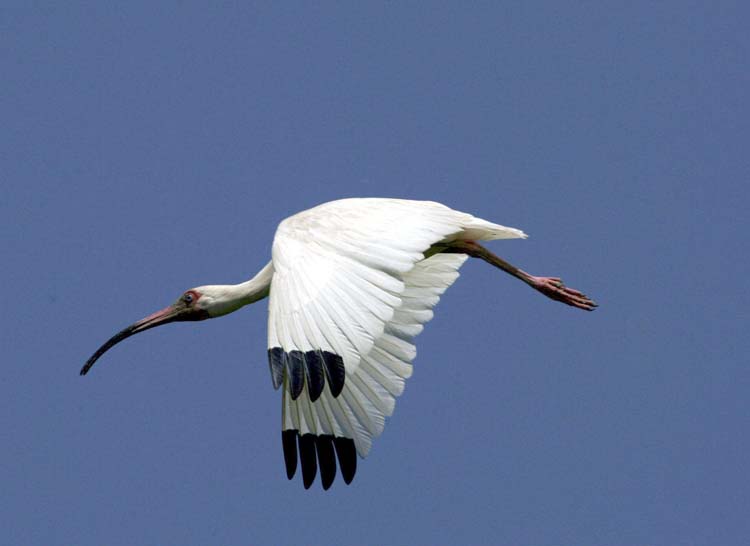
(351, 283)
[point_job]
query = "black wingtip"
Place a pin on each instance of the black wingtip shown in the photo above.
(314, 374)
(335, 371)
(314, 368)
(276, 358)
(289, 442)
(307, 459)
(326, 460)
(347, 454)
(319, 452)
(295, 362)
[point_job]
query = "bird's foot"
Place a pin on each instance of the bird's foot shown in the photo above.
(552, 287)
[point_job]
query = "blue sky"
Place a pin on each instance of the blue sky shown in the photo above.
(148, 149)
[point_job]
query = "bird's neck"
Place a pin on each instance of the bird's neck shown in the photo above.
(256, 288)
(230, 297)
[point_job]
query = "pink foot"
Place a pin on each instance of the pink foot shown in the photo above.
(552, 287)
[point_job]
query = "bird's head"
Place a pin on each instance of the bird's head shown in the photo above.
(194, 304)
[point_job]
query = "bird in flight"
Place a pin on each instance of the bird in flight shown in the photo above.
(350, 284)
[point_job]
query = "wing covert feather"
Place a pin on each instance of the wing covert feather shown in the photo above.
(351, 281)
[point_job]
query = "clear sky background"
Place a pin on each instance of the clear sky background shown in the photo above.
(146, 149)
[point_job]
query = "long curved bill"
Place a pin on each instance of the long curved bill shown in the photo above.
(175, 312)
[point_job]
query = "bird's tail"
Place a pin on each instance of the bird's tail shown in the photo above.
(477, 229)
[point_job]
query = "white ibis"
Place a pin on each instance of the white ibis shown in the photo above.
(351, 283)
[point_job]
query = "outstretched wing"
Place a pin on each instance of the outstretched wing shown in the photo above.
(351, 288)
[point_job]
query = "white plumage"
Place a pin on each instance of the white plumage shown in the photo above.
(350, 277)
(351, 283)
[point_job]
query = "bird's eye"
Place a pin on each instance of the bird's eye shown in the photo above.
(188, 297)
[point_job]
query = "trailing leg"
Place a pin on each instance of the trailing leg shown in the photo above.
(552, 287)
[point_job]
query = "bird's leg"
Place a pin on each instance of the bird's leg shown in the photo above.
(552, 287)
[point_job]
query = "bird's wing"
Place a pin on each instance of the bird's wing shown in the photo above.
(351, 288)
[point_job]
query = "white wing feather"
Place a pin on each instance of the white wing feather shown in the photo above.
(350, 278)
